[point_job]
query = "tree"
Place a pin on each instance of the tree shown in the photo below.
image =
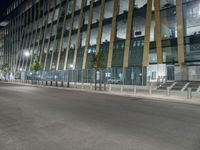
(98, 64)
(5, 68)
(98, 61)
(36, 65)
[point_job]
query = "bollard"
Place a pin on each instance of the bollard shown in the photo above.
(110, 87)
(51, 83)
(62, 84)
(135, 89)
(150, 90)
(121, 88)
(168, 91)
(68, 84)
(189, 93)
(56, 83)
(46, 83)
(82, 85)
(104, 86)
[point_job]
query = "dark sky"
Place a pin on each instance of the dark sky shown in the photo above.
(4, 4)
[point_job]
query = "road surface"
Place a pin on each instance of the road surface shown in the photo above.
(33, 118)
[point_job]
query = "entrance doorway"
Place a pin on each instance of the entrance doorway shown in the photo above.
(170, 73)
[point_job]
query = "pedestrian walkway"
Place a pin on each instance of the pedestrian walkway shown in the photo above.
(122, 90)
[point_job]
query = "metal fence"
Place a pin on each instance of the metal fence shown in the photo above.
(130, 76)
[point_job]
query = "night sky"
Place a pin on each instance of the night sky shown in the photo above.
(4, 4)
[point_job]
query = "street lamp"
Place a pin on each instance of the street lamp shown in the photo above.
(71, 66)
(26, 53)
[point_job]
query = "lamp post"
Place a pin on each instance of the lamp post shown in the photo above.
(27, 55)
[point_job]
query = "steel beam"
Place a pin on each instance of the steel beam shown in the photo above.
(180, 32)
(113, 32)
(147, 34)
(78, 39)
(128, 32)
(62, 34)
(88, 34)
(69, 35)
(100, 26)
(158, 32)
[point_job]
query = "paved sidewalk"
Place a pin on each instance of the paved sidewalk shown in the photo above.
(141, 92)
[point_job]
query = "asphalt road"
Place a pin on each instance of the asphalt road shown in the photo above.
(49, 119)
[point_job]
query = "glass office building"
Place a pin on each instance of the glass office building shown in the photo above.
(141, 40)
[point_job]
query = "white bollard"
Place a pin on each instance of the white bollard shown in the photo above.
(82, 86)
(110, 87)
(135, 89)
(121, 88)
(168, 91)
(150, 90)
(189, 93)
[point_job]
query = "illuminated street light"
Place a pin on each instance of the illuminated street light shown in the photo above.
(26, 53)
(71, 65)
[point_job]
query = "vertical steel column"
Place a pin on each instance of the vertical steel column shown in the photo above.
(113, 32)
(49, 40)
(5, 48)
(147, 34)
(180, 32)
(19, 40)
(31, 38)
(45, 30)
(36, 33)
(7, 44)
(12, 41)
(128, 32)
(62, 34)
(78, 39)
(41, 25)
(158, 32)
(10, 44)
(27, 39)
(100, 26)
(88, 34)
(13, 46)
(24, 40)
(15, 42)
(55, 36)
(70, 34)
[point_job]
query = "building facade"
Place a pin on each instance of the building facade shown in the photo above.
(141, 40)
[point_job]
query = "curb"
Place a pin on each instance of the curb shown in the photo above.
(150, 97)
